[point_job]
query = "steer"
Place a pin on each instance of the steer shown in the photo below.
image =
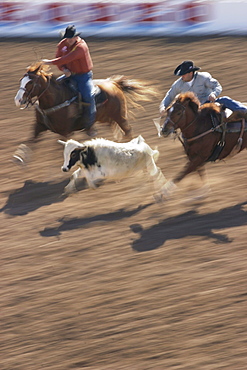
(101, 159)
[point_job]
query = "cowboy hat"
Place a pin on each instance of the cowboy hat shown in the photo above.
(69, 33)
(186, 67)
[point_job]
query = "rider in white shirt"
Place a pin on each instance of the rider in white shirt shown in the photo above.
(203, 85)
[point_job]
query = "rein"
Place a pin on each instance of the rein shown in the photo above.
(30, 102)
(66, 103)
(45, 112)
(35, 103)
(47, 87)
(205, 133)
(176, 123)
(197, 136)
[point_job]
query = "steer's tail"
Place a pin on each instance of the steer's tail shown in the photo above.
(153, 153)
(156, 154)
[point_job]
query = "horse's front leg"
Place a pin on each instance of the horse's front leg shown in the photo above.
(23, 153)
(170, 187)
(190, 167)
(204, 190)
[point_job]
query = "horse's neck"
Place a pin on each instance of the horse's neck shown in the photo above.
(189, 124)
(196, 123)
(52, 95)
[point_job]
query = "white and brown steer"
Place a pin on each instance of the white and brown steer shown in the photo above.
(101, 159)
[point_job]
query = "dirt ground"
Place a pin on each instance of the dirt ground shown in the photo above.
(108, 279)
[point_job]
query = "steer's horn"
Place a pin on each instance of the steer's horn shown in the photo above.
(61, 142)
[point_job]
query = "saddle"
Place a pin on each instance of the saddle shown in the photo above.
(233, 123)
(236, 122)
(236, 116)
(99, 95)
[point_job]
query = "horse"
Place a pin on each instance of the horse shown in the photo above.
(59, 109)
(205, 135)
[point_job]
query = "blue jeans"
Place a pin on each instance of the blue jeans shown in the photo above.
(86, 88)
(230, 103)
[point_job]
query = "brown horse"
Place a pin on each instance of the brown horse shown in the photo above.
(59, 110)
(205, 134)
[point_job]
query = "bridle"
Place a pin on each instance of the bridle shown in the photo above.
(175, 124)
(35, 80)
(43, 112)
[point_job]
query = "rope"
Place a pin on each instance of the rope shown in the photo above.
(56, 107)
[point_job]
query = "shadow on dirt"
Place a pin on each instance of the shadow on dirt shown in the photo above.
(68, 224)
(34, 195)
(190, 224)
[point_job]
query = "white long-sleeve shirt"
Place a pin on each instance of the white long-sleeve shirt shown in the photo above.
(203, 84)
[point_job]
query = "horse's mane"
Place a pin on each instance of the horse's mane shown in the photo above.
(189, 95)
(195, 103)
(205, 108)
(40, 69)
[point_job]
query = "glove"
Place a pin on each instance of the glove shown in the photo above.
(66, 72)
(212, 97)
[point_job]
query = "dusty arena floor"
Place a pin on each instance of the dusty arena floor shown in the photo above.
(108, 279)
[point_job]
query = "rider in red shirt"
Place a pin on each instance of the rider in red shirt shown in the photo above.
(73, 59)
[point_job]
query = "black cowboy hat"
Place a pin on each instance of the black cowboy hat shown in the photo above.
(185, 67)
(69, 33)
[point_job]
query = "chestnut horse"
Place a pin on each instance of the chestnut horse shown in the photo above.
(205, 134)
(58, 109)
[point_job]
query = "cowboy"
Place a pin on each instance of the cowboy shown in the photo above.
(203, 85)
(73, 59)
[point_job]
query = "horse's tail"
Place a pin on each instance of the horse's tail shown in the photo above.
(138, 90)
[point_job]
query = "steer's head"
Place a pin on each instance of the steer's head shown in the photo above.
(72, 153)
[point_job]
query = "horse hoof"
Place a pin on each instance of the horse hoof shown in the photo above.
(168, 189)
(158, 198)
(22, 155)
(18, 160)
(199, 194)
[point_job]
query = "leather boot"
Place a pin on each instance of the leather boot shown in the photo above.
(89, 127)
(91, 131)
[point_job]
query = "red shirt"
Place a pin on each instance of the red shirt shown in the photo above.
(76, 57)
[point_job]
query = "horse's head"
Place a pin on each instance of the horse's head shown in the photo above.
(183, 108)
(32, 84)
